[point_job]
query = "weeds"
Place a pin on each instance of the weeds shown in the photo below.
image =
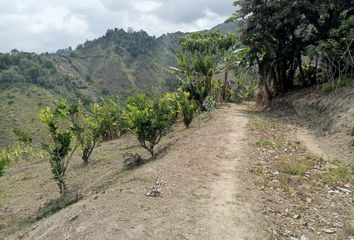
(267, 143)
(294, 165)
(338, 174)
(330, 86)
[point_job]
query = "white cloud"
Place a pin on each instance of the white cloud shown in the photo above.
(57, 19)
(47, 25)
(147, 6)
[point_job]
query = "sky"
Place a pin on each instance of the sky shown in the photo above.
(48, 25)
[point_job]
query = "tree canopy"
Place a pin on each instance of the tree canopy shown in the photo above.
(278, 33)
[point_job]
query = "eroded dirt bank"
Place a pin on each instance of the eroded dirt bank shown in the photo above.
(328, 117)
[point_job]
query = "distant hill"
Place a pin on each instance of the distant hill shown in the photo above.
(119, 63)
(226, 27)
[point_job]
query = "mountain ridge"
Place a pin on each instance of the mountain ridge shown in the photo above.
(120, 63)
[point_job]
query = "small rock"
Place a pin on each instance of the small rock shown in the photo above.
(303, 237)
(276, 173)
(296, 216)
(329, 230)
(344, 190)
(308, 200)
(73, 218)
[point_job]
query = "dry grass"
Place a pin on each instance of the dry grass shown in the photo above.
(297, 165)
(28, 186)
(318, 191)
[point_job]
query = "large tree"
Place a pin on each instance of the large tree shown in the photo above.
(201, 57)
(278, 31)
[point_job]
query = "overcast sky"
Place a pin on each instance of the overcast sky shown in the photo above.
(48, 25)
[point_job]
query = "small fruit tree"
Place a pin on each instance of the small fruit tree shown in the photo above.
(101, 122)
(60, 148)
(150, 119)
(187, 107)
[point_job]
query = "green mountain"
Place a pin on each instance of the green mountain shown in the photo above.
(118, 64)
(226, 27)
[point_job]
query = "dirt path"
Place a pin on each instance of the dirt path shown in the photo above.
(208, 193)
(228, 211)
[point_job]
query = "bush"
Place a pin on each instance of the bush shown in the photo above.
(19, 151)
(331, 86)
(101, 122)
(108, 114)
(209, 104)
(187, 107)
(173, 100)
(60, 149)
(245, 91)
(149, 119)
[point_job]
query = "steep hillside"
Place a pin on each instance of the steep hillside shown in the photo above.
(119, 64)
(123, 62)
(226, 27)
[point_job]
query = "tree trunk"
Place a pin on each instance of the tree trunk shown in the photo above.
(225, 85)
(87, 152)
(302, 75)
(62, 186)
(275, 81)
(264, 97)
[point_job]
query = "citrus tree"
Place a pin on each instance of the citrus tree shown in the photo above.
(60, 148)
(149, 119)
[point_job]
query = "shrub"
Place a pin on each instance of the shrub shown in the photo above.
(149, 119)
(173, 100)
(59, 149)
(245, 91)
(209, 104)
(187, 107)
(99, 123)
(108, 114)
(19, 151)
(330, 86)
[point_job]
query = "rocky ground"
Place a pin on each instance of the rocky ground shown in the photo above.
(306, 193)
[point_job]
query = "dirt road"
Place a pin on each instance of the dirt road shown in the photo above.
(207, 193)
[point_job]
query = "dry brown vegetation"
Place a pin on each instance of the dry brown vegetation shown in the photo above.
(304, 196)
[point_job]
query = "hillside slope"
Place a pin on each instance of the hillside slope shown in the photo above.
(329, 116)
(205, 192)
(117, 64)
(235, 172)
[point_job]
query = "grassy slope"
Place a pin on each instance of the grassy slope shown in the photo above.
(20, 106)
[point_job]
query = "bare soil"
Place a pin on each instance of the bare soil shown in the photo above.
(207, 192)
(235, 174)
(306, 185)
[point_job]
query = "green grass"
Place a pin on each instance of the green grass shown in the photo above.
(338, 174)
(298, 166)
(329, 87)
(261, 124)
(27, 100)
(267, 143)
